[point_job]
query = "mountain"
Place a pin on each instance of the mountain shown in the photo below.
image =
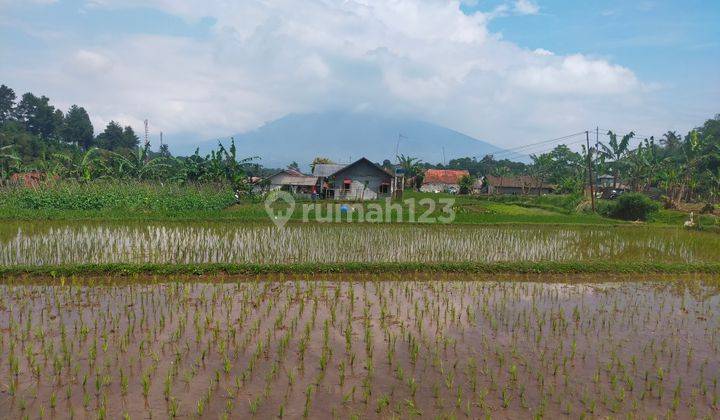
(345, 137)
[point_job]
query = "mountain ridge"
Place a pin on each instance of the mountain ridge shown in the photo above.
(345, 137)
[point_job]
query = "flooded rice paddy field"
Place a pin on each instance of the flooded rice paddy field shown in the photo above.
(43, 243)
(360, 345)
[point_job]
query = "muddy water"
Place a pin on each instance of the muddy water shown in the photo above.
(38, 243)
(372, 345)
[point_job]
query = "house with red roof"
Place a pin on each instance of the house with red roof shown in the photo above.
(440, 180)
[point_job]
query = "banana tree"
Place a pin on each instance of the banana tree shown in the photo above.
(410, 165)
(614, 152)
(7, 157)
(139, 164)
(80, 166)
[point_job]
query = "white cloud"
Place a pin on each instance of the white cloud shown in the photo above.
(526, 7)
(265, 59)
(576, 74)
(543, 51)
(90, 62)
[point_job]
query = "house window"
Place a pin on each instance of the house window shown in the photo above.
(346, 184)
(385, 188)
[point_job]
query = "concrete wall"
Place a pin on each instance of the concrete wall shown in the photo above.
(438, 187)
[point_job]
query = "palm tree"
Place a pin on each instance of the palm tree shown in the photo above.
(614, 151)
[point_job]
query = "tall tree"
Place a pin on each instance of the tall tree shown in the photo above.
(111, 138)
(130, 140)
(38, 116)
(77, 128)
(7, 103)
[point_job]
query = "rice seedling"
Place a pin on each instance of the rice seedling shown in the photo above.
(433, 344)
(61, 243)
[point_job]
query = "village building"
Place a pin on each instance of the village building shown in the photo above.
(360, 180)
(442, 180)
(516, 185)
(292, 181)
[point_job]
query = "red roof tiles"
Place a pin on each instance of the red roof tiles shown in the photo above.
(444, 176)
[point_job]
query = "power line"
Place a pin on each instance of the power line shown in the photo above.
(535, 148)
(512, 149)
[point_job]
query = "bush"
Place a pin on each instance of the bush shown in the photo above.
(708, 208)
(128, 197)
(633, 206)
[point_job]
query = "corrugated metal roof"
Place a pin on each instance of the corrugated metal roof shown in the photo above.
(324, 170)
(294, 180)
(522, 181)
(292, 177)
(366, 161)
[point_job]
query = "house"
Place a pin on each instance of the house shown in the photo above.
(604, 187)
(290, 180)
(604, 181)
(439, 180)
(360, 180)
(516, 185)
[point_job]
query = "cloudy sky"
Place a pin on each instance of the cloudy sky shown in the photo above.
(505, 71)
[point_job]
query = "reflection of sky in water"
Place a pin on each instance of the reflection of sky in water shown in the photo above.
(187, 242)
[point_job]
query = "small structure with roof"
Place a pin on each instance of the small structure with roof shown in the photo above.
(517, 185)
(360, 180)
(292, 181)
(441, 180)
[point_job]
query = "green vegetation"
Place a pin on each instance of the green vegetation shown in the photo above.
(592, 267)
(633, 206)
(114, 196)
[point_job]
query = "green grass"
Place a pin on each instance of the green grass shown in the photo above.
(598, 267)
(109, 200)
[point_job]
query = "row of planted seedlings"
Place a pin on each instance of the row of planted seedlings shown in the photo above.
(189, 243)
(360, 345)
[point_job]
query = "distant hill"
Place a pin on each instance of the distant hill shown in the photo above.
(343, 137)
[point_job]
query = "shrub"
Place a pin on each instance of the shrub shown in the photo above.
(466, 184)
(633, 206)
(708, 208)
(118, 196)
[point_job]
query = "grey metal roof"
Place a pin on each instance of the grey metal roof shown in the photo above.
(291, 177)
(324, 170)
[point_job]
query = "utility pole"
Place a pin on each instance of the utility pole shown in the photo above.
(597, 138)
(397, 145)
(147, 140)
(590, 175)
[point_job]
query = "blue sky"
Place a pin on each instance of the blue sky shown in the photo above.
(505, 71)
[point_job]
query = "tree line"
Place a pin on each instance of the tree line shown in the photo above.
(34, 135)
(680, 168)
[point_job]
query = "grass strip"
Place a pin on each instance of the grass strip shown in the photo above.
(358, 267)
